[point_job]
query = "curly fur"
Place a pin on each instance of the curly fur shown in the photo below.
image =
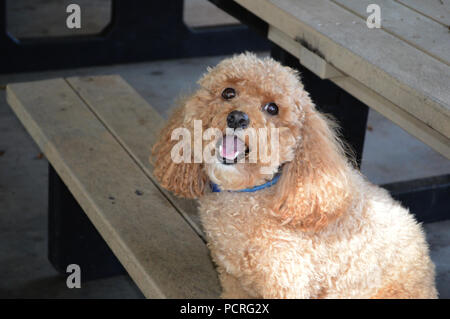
(322, 231)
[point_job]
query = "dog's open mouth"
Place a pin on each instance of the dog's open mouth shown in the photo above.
(231, 149)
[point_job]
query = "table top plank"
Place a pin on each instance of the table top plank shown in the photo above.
(404, 75)
(134, 123)
(160, 251)
(438, 10)
(397, 115)
(410, 26)
(309, 59)
(409, 123)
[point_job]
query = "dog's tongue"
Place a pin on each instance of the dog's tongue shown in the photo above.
(231, 147)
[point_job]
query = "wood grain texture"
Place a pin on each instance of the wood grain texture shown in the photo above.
(408, 25)
(404, 75)
(409, 123)
(160, 251)
(438, 10)
(309, 59)
(134, 123)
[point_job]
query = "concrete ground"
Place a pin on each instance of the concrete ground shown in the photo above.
(390, 154)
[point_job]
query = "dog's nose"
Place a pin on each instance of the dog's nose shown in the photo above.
(237, 119)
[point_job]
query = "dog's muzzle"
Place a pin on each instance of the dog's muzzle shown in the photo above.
(231, 149)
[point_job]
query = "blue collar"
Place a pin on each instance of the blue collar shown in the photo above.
(215, 188)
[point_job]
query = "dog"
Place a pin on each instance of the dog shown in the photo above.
(306, 224)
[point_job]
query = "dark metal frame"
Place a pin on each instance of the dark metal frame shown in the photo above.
(72, 237)
(138, 31)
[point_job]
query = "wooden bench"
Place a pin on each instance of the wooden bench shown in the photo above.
(97, 132)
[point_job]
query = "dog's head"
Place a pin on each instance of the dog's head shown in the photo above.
(263, 123)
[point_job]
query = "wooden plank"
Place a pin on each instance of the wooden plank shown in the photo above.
(407, 77)
(397, 115)
(160, 251)
(408, 25)
(134, 123)
(409, 123)
(312, 61)
(438, 10)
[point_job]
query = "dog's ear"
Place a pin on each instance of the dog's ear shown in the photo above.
(314, 188)
(184, 179)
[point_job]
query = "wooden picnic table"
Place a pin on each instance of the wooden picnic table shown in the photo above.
(402, 70)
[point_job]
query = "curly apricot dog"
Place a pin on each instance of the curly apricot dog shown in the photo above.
(304, 225)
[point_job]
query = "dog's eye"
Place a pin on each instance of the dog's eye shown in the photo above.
(271, 108)
(228, 93)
